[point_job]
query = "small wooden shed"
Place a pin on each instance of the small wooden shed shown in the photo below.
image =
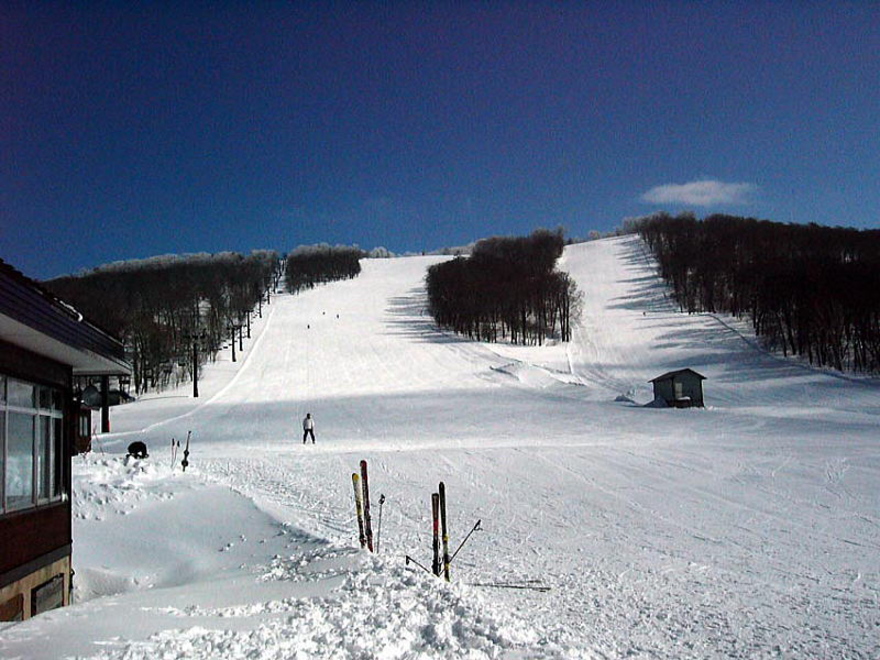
(680, 389)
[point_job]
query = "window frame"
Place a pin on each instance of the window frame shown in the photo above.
(48, 483)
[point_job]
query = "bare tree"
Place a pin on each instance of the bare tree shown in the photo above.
(809, 290)
(507, 289)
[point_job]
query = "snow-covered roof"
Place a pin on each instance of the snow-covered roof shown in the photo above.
(672, 374)
(35, 320)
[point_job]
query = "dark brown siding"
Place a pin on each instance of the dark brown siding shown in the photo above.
(32, 533)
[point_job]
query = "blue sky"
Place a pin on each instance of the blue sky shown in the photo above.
(130, 130)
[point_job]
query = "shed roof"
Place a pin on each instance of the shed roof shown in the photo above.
(672, 374)
(34, 319)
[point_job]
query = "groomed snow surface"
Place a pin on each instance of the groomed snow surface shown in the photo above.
(749, 529)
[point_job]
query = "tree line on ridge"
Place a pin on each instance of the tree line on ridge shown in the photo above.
(508, 288)
(808, 290)
(172, 310)
(308, 266)
(164, 307)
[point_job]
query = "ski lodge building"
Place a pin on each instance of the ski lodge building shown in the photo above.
(44, 343)
(680, 389)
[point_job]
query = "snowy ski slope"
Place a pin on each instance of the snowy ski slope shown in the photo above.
(748, 529)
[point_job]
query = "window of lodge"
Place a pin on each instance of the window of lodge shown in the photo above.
(31, 445)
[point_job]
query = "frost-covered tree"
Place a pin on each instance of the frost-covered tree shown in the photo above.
(310, 265)
(161, 305)
(508, 288)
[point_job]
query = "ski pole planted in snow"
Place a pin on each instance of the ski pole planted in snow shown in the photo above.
(379, 530)
(476, 528)
(410, 560)
(359, 507)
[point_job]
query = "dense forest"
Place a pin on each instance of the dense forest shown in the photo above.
(308, 266)
(507, 288)
(808, 290)
(169, 309)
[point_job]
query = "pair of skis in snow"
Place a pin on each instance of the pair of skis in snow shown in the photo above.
(438, 514)
(440, 537)
(361, 485)
(440, 547)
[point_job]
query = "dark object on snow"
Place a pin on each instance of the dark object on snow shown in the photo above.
(679, 389)
(379, 531)
(137, 450)
(444, 531)
(476, 528)
(185, 462)
(308, 428)
(534, 585)
(368, 519)
(359, 507)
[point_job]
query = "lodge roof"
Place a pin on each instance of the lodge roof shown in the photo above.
(33, 318)
(672, 374)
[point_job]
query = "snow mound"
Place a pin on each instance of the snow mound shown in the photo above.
(198, 587)
(113, 484)
(372, 610)
(534, 376)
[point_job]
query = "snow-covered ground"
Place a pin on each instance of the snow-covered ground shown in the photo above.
(748, 529)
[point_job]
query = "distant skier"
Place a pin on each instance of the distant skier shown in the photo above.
(308, 428)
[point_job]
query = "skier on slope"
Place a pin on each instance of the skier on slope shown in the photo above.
(308, 428)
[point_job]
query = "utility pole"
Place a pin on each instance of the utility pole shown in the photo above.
(195, 368)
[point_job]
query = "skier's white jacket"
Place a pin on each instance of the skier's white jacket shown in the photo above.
(308, 424)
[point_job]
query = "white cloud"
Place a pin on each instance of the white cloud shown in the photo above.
(706, 192)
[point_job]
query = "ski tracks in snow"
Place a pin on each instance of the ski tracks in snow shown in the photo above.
(726, 532)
